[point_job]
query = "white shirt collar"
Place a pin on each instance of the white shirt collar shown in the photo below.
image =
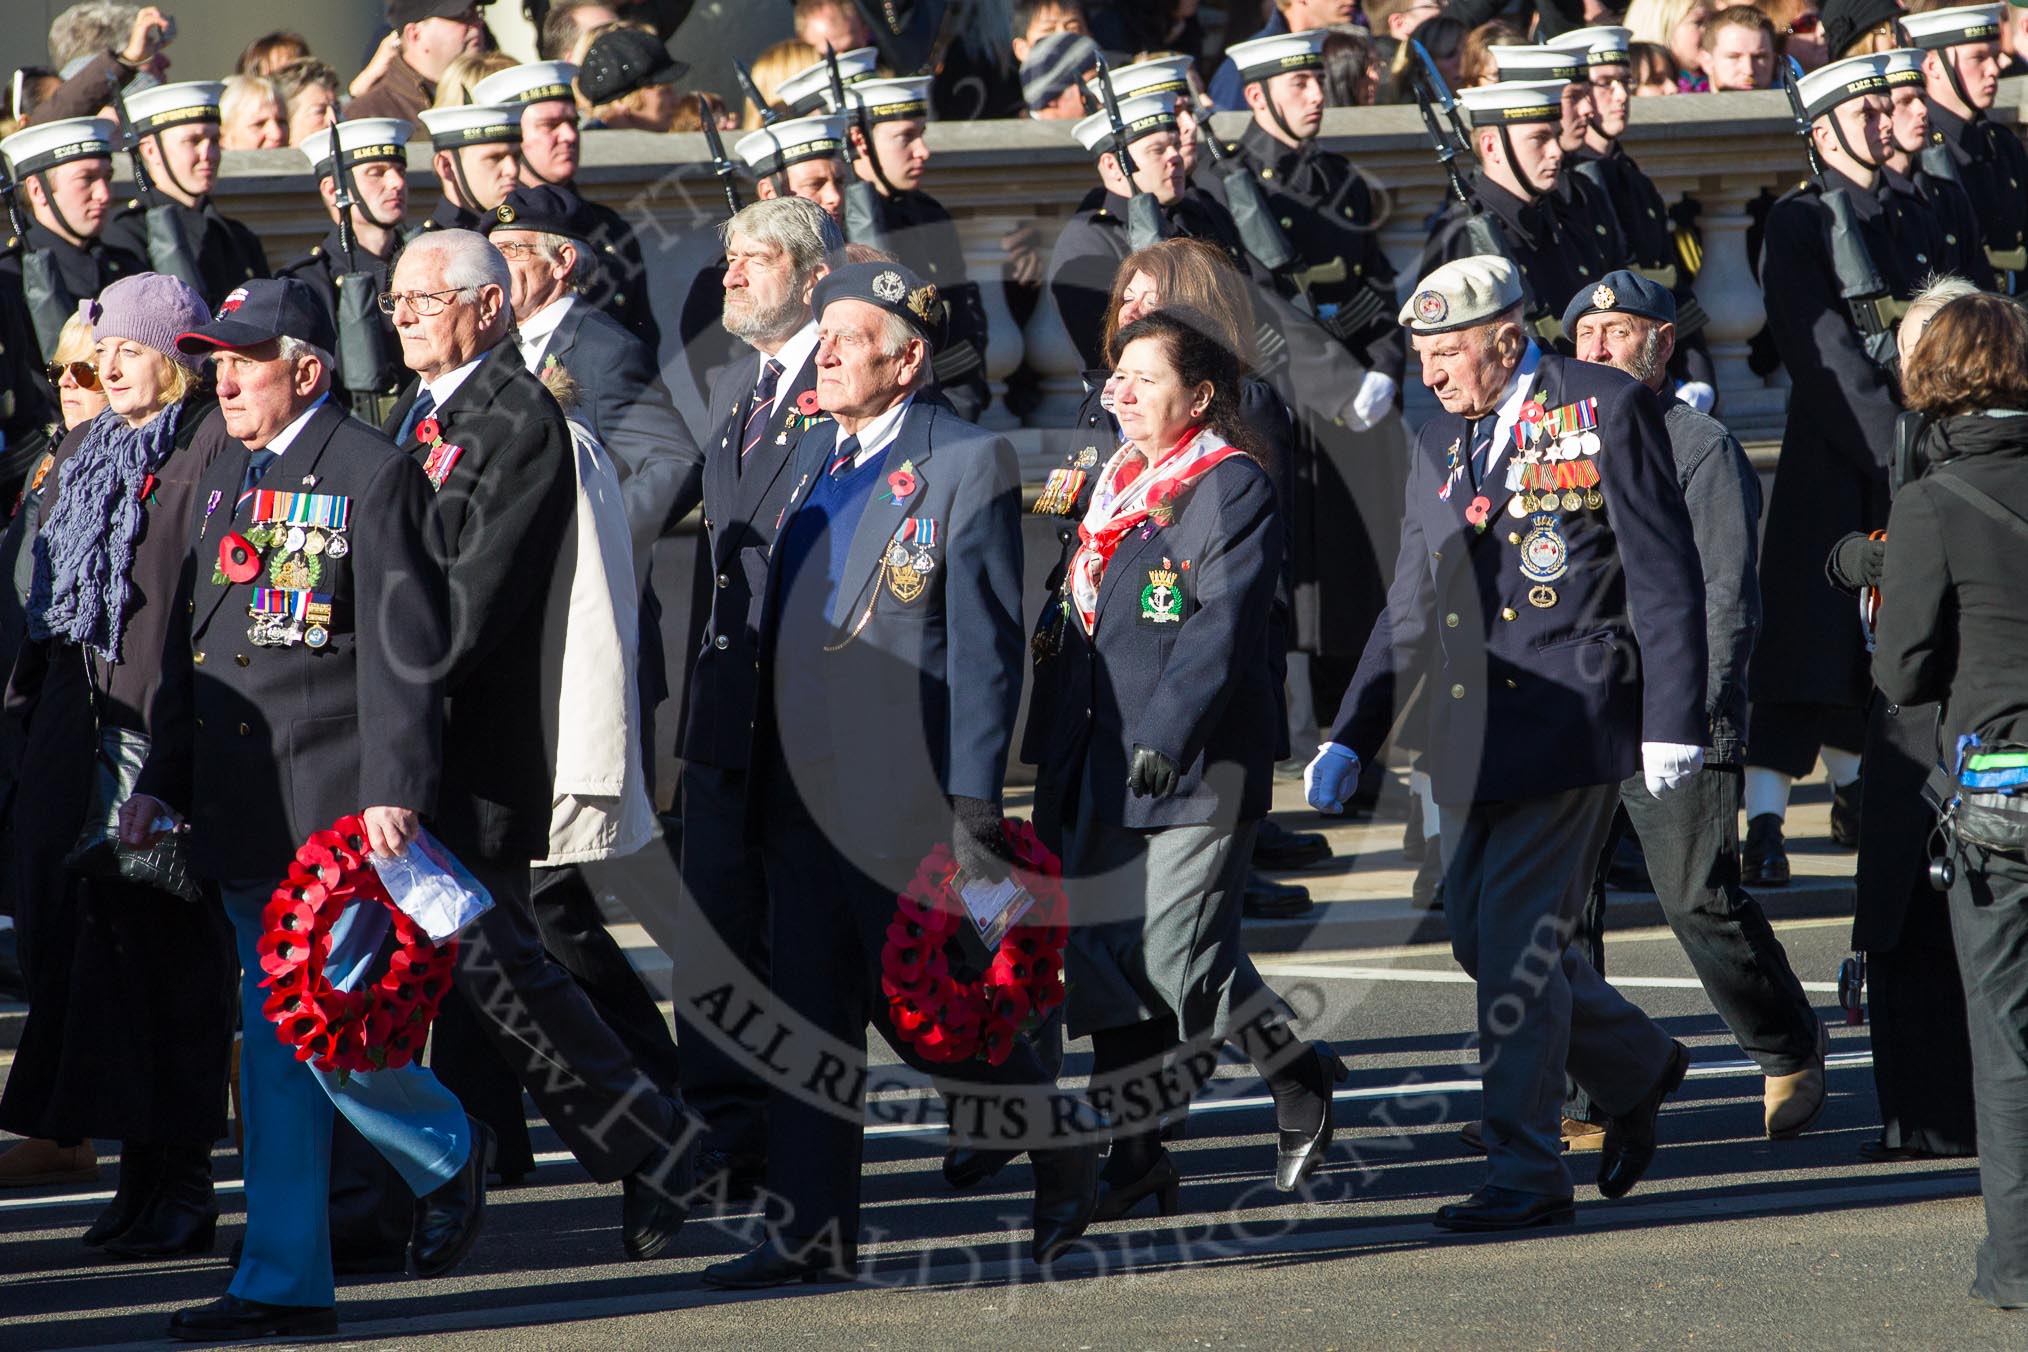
(794, 355)
(1509, 412)
(444, 386)
(541, 326)
(282, 440)
(878, 435)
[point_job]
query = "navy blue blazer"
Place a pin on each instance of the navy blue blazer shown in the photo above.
(1529, 697)
(259, 746)
(743, 509)
(1179, 661)
(921, 673)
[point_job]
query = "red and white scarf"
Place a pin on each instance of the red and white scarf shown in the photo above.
(1128, 489)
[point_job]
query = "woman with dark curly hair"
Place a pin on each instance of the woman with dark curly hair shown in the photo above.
(1162, 760)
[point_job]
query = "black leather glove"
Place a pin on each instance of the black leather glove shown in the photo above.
(1860, 561)
(976, 841)
(1152, 775)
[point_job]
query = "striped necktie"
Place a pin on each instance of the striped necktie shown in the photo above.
(760, 408)
(425, 404)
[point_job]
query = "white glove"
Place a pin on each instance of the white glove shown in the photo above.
(1667, 766)
(1698, 395)
(1329, 779)
(1374, 401)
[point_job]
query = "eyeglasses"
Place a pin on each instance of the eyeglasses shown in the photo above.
(83, 372)
(515, 248)
(1804, 25)
(424, 303)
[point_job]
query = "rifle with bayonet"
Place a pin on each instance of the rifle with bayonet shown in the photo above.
(1144, 213)
(366, 366)
(1874, 310)
(169, 250)
(1450, 137)
(863, 216)
(49, 300)
(1260, 234)
(720, 164)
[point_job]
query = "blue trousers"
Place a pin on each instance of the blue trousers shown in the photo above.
(410, 1118)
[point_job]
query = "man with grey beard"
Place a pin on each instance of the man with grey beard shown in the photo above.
(761, 405)
(1691, 836)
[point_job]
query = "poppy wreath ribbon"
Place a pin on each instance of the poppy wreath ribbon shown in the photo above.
(384, 1023)
(947, 1015)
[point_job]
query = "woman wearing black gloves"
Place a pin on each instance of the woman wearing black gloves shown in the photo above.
(1160, 754)
(1952, 629)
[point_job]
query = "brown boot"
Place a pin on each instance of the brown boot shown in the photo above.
(1793, 1102)
(33, 1163)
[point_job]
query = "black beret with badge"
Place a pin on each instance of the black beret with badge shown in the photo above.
(546, 209)
(886, 286)
(1624, 292)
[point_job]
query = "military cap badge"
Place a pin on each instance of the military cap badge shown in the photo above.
(889, 287)
(922, 303)
(504, 214)
(1431, 307)
(1602, 297)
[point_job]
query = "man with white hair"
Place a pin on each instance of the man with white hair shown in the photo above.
(1548, 594)
(494, 446)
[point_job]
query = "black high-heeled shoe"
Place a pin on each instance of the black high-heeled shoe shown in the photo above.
(181, 1218)
(1298, 1154)
(1160, 1180)
(140, 1169)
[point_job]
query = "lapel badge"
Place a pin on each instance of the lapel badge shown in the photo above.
(1161, 599)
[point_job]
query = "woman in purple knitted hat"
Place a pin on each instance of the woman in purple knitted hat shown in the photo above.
(130, 986)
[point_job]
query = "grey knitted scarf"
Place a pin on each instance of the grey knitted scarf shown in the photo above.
(80, 588)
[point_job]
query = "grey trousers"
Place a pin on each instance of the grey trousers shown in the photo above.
(1516, 875)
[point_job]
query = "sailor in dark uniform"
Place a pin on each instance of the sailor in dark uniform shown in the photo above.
(1516, 133)
(1662, 251)
(1549, 595)
(63, 172)
(1095, 240)
(1904, 169)
(475, 156)
(1962, 65)
(885, 123)
(179, 139)
(1809, 679)
(550, 149)
(369, 166)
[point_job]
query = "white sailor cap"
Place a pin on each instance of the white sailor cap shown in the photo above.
(48, 144)
(889, 100)
(1954, 27)
(1513, 102)
(1168, 75)
(773, 149)
(363, 139)
(1519, 63)
(472, 124)
(535, 82)
(171, 105)
(1605, 45)
(1462, 293)
(1840, 82)
(1265, 58)
(810, 88)
(1142, 115)
(1902, 66)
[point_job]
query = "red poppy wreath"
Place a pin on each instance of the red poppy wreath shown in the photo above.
(382, 1025)
(950, 1015)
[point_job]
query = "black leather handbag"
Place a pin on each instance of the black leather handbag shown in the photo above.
(98, 853)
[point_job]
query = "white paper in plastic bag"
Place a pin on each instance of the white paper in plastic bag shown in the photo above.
(432, 888)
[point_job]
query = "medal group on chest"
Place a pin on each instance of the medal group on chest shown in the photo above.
(292, 538)
(1551, 467)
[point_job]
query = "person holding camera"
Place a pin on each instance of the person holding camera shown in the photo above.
(1951, 629)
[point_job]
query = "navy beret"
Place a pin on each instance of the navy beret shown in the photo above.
(546, 209)
(888, 286)
(1621, 292)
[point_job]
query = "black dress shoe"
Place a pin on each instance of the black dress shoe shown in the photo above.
(1276, 847)
(1846, 802)
(772, 1264)
(725, 1175)
(966, 1167)
(655, 1200)
(1066, 1197)
(180, 1217)
(1494, 1208)
(447, 1220)
(140, 1168)
(1299, 1153)
(1266, 899)
(1879, 1152)
(1160, 1181)
(1764, 859)
(1630, 1140)
(229, 1319)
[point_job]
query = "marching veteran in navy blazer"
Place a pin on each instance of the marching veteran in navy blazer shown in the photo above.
(1549, 594)
(297, 688)
(891, 657)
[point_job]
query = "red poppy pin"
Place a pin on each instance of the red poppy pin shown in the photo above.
(1476, 513)
(806, 402)
(1533, 412)
(428, 432)
(901, 483)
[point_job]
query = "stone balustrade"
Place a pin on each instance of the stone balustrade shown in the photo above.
(1722, 150)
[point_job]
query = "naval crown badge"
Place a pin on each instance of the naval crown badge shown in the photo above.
(1161, 603)
(889, 287)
